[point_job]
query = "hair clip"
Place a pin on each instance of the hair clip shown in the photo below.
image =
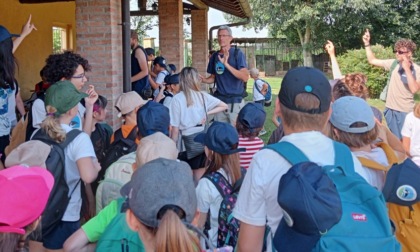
(50, 114)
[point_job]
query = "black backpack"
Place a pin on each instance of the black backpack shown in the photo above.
(59, 197)
(120, 147)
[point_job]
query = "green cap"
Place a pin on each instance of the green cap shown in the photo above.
(63, 96)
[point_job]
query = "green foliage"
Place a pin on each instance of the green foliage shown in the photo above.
(355, 61)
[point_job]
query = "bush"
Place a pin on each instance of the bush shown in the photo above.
(355, 61)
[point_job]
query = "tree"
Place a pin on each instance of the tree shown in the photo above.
(312, 22)
(143, 24)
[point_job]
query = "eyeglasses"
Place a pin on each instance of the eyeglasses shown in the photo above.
(80, 76)
(400, 52)
(223, 36)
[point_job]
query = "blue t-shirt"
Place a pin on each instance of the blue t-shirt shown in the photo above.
(229, 88)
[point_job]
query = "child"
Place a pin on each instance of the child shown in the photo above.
(127, 105)
(159, 66)
(250, 121)
(171, 89)
(19, 186)
(259, 91)
(221, 148)
(411, 134)
(61, 103)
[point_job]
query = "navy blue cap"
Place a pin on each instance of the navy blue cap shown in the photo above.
(311, 206)
(220, 138)
(172, 67)
(161, 61)
(252, 116)
(402, 185)
(305, 80)
(172, 79)
(153, 117)
(5, 34)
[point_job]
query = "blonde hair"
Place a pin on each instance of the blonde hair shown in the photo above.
(229, 163)
(173, 235)
(301, 120)
(189, 82)
(416, 110)
(51, 125)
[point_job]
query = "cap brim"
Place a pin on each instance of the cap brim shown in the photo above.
(287, 239)
(236, 150)
(125, 190)
(200, 138)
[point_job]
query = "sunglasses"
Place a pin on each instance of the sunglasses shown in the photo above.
(400, 52)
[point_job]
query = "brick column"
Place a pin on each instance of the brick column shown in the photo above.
(200, 40)
(171, 31)
(99, 40)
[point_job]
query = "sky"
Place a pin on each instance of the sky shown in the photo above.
(216, 18)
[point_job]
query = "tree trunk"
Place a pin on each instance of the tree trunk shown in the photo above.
(307, 56)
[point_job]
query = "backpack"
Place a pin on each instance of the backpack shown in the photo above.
(120, 147)
(364, 225)
(267, 96)
(118, 236)
(228, 231)
(60, 194)
(18, 135)
(117, 175)
(405, 217)
(384, 92)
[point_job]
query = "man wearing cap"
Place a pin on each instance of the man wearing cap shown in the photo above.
(139, 68)
(404, 81)
(303, 105)
(228, 69)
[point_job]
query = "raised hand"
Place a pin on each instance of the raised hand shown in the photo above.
(329, 47)
(366, 37)
(27, 27)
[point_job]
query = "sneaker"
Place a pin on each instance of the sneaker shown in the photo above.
(262, 132)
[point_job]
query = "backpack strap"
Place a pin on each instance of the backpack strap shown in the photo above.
(343, 157)
(393, 66)
(289, 152)
(220, 182)
(372, 164)
(70, 136)
(133, 134)
(389, 152)
(390, 155)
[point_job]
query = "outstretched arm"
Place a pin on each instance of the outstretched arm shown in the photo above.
(26, 30)
(369, 54)
(329, 47)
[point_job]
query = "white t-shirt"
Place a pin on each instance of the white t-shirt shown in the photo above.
(79, 148)
(376, 178)
(411, 129)
(160, 79)
(209, 198)
(186, 118)
(257, 200)
(257, 95)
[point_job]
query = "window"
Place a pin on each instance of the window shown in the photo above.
(61, 38)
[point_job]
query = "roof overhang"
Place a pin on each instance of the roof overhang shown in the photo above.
(239, 8)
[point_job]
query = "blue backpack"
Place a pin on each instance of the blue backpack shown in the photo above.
(364, 225)
(267, 96)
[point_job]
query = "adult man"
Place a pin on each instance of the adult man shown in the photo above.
(403, 84)
(228, 69)
(139, 68)
(303, 105)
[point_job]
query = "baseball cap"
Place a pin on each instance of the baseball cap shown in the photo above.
(311, 206)
(153, 117)
(5, 34)
(127, 102)
(348, 110)
(19, 186)
(252, 115)
(220, 137)
(158, 184)
(305, 80)
(161, 61)
(155, 146)
(25, 155)
(402, 184)
(172, 67)
(63, 96)
(172, 79)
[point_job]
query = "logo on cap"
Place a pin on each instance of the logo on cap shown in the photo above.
(406, 193)
(359, 217)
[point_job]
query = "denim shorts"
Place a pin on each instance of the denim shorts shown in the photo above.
(57, 237)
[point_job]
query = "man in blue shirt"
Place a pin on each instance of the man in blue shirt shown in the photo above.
(228, 69)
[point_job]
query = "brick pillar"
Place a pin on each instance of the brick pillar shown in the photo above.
(171, 31)
(99, 40)
(200, 40)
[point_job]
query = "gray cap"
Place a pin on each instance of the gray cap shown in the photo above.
(349, 110)
(158, 183)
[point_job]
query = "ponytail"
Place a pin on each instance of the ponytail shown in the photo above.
(51, 125)
(173, 235)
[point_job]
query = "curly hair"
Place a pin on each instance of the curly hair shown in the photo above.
(63, 65)
(407, 43)
(356, 82)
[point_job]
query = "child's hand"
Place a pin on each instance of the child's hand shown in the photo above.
(93, 96)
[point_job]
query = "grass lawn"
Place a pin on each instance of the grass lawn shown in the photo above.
(275, 83)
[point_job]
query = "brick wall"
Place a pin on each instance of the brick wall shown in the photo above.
(99, 39)
(200, 40)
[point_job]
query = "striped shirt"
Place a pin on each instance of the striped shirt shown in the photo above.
(251, 146)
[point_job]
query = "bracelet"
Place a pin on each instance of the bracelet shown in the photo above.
(367, 45)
